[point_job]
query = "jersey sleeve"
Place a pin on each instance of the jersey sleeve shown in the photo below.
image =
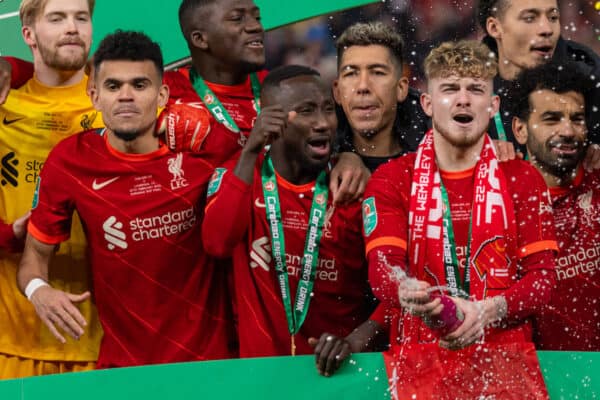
(227, 215)
(21, 71)
(53, 204)
(385, 228)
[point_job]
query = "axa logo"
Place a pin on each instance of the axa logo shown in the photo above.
(113, 233)
(9, 172)
(260, 255)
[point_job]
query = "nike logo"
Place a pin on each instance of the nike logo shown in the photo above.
(11, 121)
(98, 186)
(258, 203)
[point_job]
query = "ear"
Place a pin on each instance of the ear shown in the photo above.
(163, 95)
(336, 92)
(520, 130)
(495, 106)
(426, 104)
(199, 39)
(92, 90)
(28, 35)
(493, 27)
(402, 89)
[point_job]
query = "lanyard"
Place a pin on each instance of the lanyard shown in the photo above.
(453, 281)
(295, 317)
(499, 126)
(214, 104)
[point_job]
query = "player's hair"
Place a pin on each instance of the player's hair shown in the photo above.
(129, 46)
(30, 10)
(187, 12)
(284, 72)
(559, 78)
(465, 58)
(490, 8)
(366, 34)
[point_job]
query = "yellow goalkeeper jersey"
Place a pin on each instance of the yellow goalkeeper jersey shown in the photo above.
(33, 119)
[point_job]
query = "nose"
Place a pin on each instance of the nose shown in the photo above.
(567, 128)
(324, 121)
(546, 26)
(253, 25)
(463, 99)
(363, 82)
(125, 93)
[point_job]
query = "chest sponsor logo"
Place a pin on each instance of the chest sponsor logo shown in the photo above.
(9, 171)
(584, 261)
(258, 203)
(260, 257)
(175, 166)
(149, 228)
(97, 185)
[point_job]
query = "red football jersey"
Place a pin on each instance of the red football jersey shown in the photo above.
(572, 319)
(388, 197)
(236, 224)
(160, 298)
(221, 143)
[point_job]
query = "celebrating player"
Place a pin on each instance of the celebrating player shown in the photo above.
(159, 298)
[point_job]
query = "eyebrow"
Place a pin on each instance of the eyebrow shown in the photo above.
(369, 66)
(538, 11)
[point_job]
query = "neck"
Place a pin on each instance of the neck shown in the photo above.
(215, 71)
(143, 144)
(506, 69)
(452, 158)
(380, 144)
(53, 77)
(290, 168)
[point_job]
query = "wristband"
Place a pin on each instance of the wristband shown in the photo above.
(34, 285)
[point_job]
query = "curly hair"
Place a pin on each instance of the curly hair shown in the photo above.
(365, 34)
(129, 46)
(558, 77)
(466, 58)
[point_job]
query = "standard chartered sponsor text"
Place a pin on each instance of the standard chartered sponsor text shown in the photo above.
(168, 224)
(585, 260)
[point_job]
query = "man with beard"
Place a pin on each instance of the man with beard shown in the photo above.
(160, 299)
(525, 34)
(299, 270)
(550, 121)
(52, 105)
(452, 215)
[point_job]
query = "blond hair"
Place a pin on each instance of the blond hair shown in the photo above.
(466, 58)
(30, 10)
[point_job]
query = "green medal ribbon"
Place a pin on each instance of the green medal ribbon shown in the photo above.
(453, 281)
(217, 109)
(295, 317)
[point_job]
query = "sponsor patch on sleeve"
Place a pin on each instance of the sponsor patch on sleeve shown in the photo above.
(369, 215)
(215, 181)
(36, 193)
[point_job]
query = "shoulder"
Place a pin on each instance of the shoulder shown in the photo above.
(578, 52)
(522, 176)
(262, 74)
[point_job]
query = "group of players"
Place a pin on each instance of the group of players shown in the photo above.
(231, 224)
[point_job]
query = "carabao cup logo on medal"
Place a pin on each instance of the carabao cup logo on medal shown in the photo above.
(209, 99)
(369, 214)
(270, 186)
(320, 199)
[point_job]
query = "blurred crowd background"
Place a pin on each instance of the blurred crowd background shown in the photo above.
(423, 24)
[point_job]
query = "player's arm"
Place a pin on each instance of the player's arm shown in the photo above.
(12, 236)
(13, 74)
(348, 178)
(54, 307)
(331, 350)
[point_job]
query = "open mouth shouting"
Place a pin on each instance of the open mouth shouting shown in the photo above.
(463, 118)
(319, 146)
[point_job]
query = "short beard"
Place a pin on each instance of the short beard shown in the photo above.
(53, 60)
(127, 136)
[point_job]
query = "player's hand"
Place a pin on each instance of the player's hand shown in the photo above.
(268, 126)
(57, 309)
(184, 126)
(472, 328)
(5, 76)
(505, 151)
(592, 157)
(415, 299)
(20, 226)
(330, 352)
(348, 179)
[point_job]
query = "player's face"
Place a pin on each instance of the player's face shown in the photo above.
(527, 32)
(62, 34)
(129, 93)
(460, 108)
(368, 88)
(235, 34)
(309, 135)
(556, 131)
